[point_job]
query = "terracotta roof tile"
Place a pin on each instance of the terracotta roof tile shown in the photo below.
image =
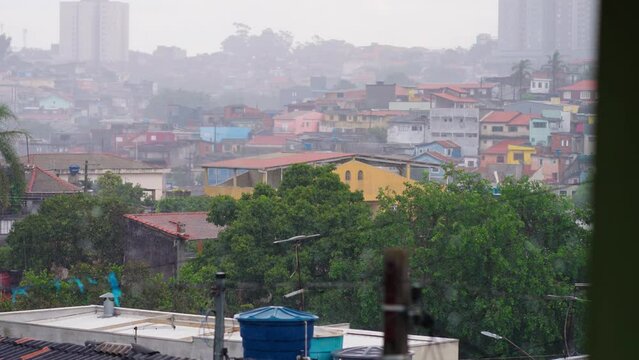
(196, 226)
(502, 146)
(42, 181)
(583, 85)
(30, 349)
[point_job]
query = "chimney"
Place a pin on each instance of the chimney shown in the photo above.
(108, 307)
(181, 227)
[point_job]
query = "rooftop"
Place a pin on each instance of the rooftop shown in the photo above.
(502, 146)
(454, 98)
(435, 86)
(583, 85)
(27, 348)
(175, 334)
(45, 182)
(275, 160)
(97, 161)
(508, 117)
(268, 140)
(195, 225)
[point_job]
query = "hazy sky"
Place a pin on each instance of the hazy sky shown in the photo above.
(200, 25)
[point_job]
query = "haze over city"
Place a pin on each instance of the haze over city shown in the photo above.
(320, 155)
(200, 25)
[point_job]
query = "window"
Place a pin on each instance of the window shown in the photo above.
(533, 84)
(518, 156)
(446, 134)
(471, 135)
(416, 128)
(541, 161)
(498, 128)
(360, 175)
(471, 164)
(5, 226)
(500, 159)
(459, 134)
(567, 95)
(512, 129)
(436, 134)
(563, 193)
(153, 138)
(555, 177)
(584, 95)
(539, 125)
(546, 85)
(347, 175)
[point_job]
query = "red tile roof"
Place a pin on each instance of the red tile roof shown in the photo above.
(583, 85)
(277, 160)
(502, 146)
(508, 117)
(523, 119)
(501, 117)
(42, 181)
(268, 140)
(457, 89)
(196, 226)
(454, 98)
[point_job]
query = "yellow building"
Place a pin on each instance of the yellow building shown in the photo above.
(517, 153)
(370, 179)
(366, 173)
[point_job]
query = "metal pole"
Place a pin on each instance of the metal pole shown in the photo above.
(218, 341)
(299, 274)
(26, 137)
(396, 303)
(86, 175)
(518, 348)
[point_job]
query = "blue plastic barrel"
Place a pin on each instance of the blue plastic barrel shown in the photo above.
(275, 333)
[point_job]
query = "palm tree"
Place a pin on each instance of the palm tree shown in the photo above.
(521, 72)
(11, 172)
(556, 65)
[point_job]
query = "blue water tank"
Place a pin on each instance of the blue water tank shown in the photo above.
(74, 169)
(275, 333)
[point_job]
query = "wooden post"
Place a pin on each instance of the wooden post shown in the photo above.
(396, 303)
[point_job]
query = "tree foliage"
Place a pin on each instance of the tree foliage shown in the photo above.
(486, 262)
(12, 181)
(310, 200)
(69, 229)
(184, 204)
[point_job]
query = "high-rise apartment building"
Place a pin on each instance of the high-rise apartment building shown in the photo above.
(94, 31)
(534, 29)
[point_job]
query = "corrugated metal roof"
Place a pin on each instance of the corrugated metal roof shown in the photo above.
(30, 349)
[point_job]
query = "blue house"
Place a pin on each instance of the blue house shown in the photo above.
(220, 133)
(445, 147)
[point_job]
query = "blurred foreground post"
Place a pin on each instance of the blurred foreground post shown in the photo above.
(396, 304)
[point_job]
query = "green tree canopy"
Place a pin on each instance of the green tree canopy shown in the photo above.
(310, 200)
(11, 172)
(487, 262)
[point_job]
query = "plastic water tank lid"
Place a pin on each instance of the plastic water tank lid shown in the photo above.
(275, 313)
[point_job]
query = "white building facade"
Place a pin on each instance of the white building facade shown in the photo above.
(94, 31)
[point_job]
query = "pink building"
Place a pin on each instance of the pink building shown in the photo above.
(297, 122)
